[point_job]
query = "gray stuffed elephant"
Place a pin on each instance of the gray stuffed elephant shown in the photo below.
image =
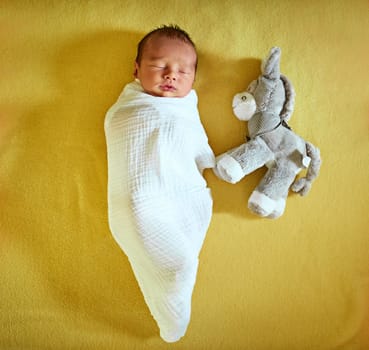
(267, 105)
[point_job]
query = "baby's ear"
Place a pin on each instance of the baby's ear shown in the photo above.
(135, 70)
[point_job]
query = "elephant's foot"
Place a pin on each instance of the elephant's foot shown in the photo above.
(228, 169)
(264, 206)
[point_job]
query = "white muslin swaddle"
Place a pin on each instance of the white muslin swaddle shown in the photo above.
(158, 201)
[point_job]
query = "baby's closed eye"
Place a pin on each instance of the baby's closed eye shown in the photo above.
(164, 67)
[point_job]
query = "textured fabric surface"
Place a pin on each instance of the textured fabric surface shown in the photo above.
(155, 184)
(296, 283)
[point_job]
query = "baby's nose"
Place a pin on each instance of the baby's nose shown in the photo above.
(170, 74)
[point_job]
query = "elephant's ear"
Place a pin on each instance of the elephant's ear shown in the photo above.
(251, 88)
(289, 103)
(270, 66)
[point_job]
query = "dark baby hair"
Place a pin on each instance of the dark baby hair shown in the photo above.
(170, 31)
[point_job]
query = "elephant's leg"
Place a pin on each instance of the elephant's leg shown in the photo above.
(233, 165)
(269, 198)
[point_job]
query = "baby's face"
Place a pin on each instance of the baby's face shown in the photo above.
(167, 67)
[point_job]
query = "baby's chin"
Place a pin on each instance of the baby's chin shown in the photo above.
(169, 94)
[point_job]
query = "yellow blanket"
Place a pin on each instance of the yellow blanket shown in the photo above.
(299, 282)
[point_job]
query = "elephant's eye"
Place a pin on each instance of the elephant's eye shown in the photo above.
(244, 98)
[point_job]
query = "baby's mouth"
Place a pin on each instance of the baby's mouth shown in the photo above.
(167, 87)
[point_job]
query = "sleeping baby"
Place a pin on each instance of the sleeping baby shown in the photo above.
(158, 201)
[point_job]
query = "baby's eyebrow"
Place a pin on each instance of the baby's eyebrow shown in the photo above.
(156, 58)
